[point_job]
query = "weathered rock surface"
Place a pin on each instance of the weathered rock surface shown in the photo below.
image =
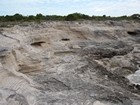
(70, 63)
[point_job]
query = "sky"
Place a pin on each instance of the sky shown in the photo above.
(65, 7)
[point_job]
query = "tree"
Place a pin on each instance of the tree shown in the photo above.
(31, 18)
(18, 17)
(39, 16)
(135, 16)
(1, 18)
(85, 17)
(72, 17)
(9, 18)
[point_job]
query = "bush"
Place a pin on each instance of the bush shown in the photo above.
(70, 17)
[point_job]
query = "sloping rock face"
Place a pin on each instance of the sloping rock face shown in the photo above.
(70, 63)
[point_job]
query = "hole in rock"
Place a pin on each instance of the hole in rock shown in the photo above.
(132, 33)
(37, 43)
(65, 39)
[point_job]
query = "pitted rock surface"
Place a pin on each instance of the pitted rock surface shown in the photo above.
(70, 63)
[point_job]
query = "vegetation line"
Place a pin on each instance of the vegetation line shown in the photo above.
(70, 17)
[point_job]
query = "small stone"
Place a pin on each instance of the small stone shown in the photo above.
(98, 103)
(106, 76)
(76, 47)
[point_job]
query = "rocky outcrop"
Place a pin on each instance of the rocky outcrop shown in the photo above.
(108, 50)
(73, 63)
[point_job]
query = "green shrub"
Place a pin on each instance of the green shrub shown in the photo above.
(70, 17)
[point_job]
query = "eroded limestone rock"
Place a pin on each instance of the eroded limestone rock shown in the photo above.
(70, 63)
